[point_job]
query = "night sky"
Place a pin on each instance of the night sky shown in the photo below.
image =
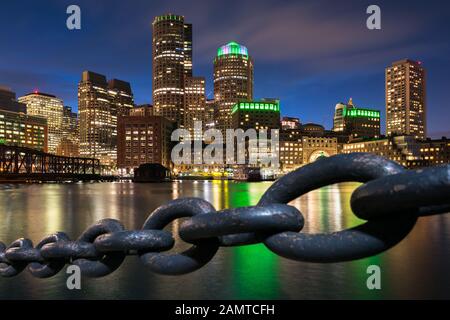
(309, 54)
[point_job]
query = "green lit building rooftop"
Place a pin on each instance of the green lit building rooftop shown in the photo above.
(232, 48)
(262, 114)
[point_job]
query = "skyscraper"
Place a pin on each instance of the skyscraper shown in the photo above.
(194, 103)
(233, 80)
(99, 104)
(69, 143)
(172, 61)
(405, 99)
(70, 121)
(120, 96)
(49, 107)
(188, 50)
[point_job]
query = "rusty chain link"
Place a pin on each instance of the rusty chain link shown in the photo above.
(391, 199)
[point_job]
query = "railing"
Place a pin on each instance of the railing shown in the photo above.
(22, 161)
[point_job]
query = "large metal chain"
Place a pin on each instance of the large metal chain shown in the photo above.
(391, 199)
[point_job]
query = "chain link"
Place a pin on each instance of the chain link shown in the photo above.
(391, 199)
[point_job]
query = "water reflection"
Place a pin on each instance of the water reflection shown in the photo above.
(415, 268)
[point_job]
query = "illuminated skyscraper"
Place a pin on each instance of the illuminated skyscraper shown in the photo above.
(211, 114)
(69, 143)
(49, 107)
(70, 121)
(172, 61)
(194, 103)
(120, 96)
(233, 80)
(99, 104)
(188, 50)
(405, 99)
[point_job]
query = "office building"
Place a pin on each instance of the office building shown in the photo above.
(49, 107)
(23, 130)
(70, 122)
(99, 105)
(406, 150)
(143, 138)
(143, 109)
(233, 81)
(435, 151)
(291, 155)
(211, 114)
(188, 50)
(172, 62)
(406, 99)
(68, 147)
(8, 101)
(194, 105)
(356, 122)
(290, 123)
(263, 114)
(120, 96)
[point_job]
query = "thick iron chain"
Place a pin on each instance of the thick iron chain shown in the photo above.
(391, 199)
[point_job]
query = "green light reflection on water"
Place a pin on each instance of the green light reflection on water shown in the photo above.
(358, 267)
(255, 268)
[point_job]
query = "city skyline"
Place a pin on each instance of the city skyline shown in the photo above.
(301, 92)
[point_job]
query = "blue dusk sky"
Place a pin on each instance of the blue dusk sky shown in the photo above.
(309, 54)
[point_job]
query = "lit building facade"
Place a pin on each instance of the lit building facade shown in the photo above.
(70, 121)
(49, 107)
(291, 155)
(69, 144)
(187, 49)
(23, 130)
(194, 104)
(143, 109)
(68, 147)
(143, 138)
(264, 114)
(172, 62)
(314, 148)
(406, 150)
(435, 152)
(211, 114)
(233, 81)
(99, 104)
(356, 122)
(406, 99)
(403, 149)
(120, 97)
(290, 123)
